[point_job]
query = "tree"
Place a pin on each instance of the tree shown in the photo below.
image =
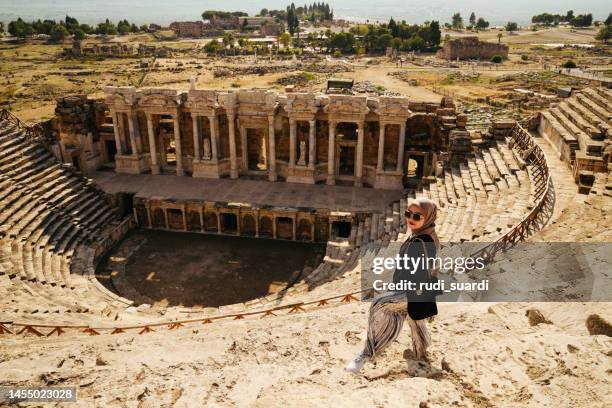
(228, 40)
(44, 27)
(582, 20)
(106, 28)
(482, 24)
(457, 23)
(144, 28)
(79, 34)
(473, 19)
(393, 27)
(414, 43)
(605, 33)
(59, 33)
(497, 59)
(292, 19)
(511, 26)
(383, 42)
(569, 64)
(86, 28)
(285, 39)
(433, 35)
(212, 47)
(71, 24)
(123, 27)
(1, 27)
(20, 28)
(609, 19)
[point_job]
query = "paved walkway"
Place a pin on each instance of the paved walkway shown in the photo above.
(255, 192)
(566, 190)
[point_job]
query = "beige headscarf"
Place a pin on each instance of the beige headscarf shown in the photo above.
(430, 210)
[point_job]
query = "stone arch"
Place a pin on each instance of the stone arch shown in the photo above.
(141, 213)
(304, 230)
(193, 220)
(265, 227)
(210, 222)
(159, 220)
(284, 227)
(248, 225)
(175, 218)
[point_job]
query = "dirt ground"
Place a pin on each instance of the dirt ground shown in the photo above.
(190, 269)
(34, 73)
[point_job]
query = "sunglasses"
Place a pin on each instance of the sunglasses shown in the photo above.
(414, 215)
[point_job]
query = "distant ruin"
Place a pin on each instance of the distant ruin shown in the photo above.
(471, 48)
(117, 49)
(188, 28)
(266, 26)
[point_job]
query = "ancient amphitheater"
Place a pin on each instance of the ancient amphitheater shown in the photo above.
(331, 169)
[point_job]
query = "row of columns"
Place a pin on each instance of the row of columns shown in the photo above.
(136, 143)
(218, 215)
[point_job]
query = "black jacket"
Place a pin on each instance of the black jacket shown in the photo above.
(421, 304)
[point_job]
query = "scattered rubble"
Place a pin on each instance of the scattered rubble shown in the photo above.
(321, 68)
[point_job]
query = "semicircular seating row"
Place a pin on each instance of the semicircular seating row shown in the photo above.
(49, 216)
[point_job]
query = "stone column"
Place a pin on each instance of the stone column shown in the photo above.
(137, 133)
(184, 211)
(292, 137)
(359, 155)
(149, 217)
(212, 119)
(400, 148)
(272, 149)
(132, 134)
(256, 223)
(201, 219)
(331, 164)
(380, 165)
(166, 218)
(116, 125)
(196, 137)
(218, 222)
(177, 146)
(244, 158)
(231, 117)
(294, 229)
(312, 230)
(152, 146)
(312, 150)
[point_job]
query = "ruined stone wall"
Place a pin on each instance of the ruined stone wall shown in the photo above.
(471, 48)
(188, 28)
(272, 29)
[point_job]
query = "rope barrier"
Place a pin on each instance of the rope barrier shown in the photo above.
(543, 193)
(294, 308)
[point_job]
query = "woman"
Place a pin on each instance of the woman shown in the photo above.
(388, 311)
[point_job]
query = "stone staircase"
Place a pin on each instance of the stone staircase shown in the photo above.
(578, 129)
